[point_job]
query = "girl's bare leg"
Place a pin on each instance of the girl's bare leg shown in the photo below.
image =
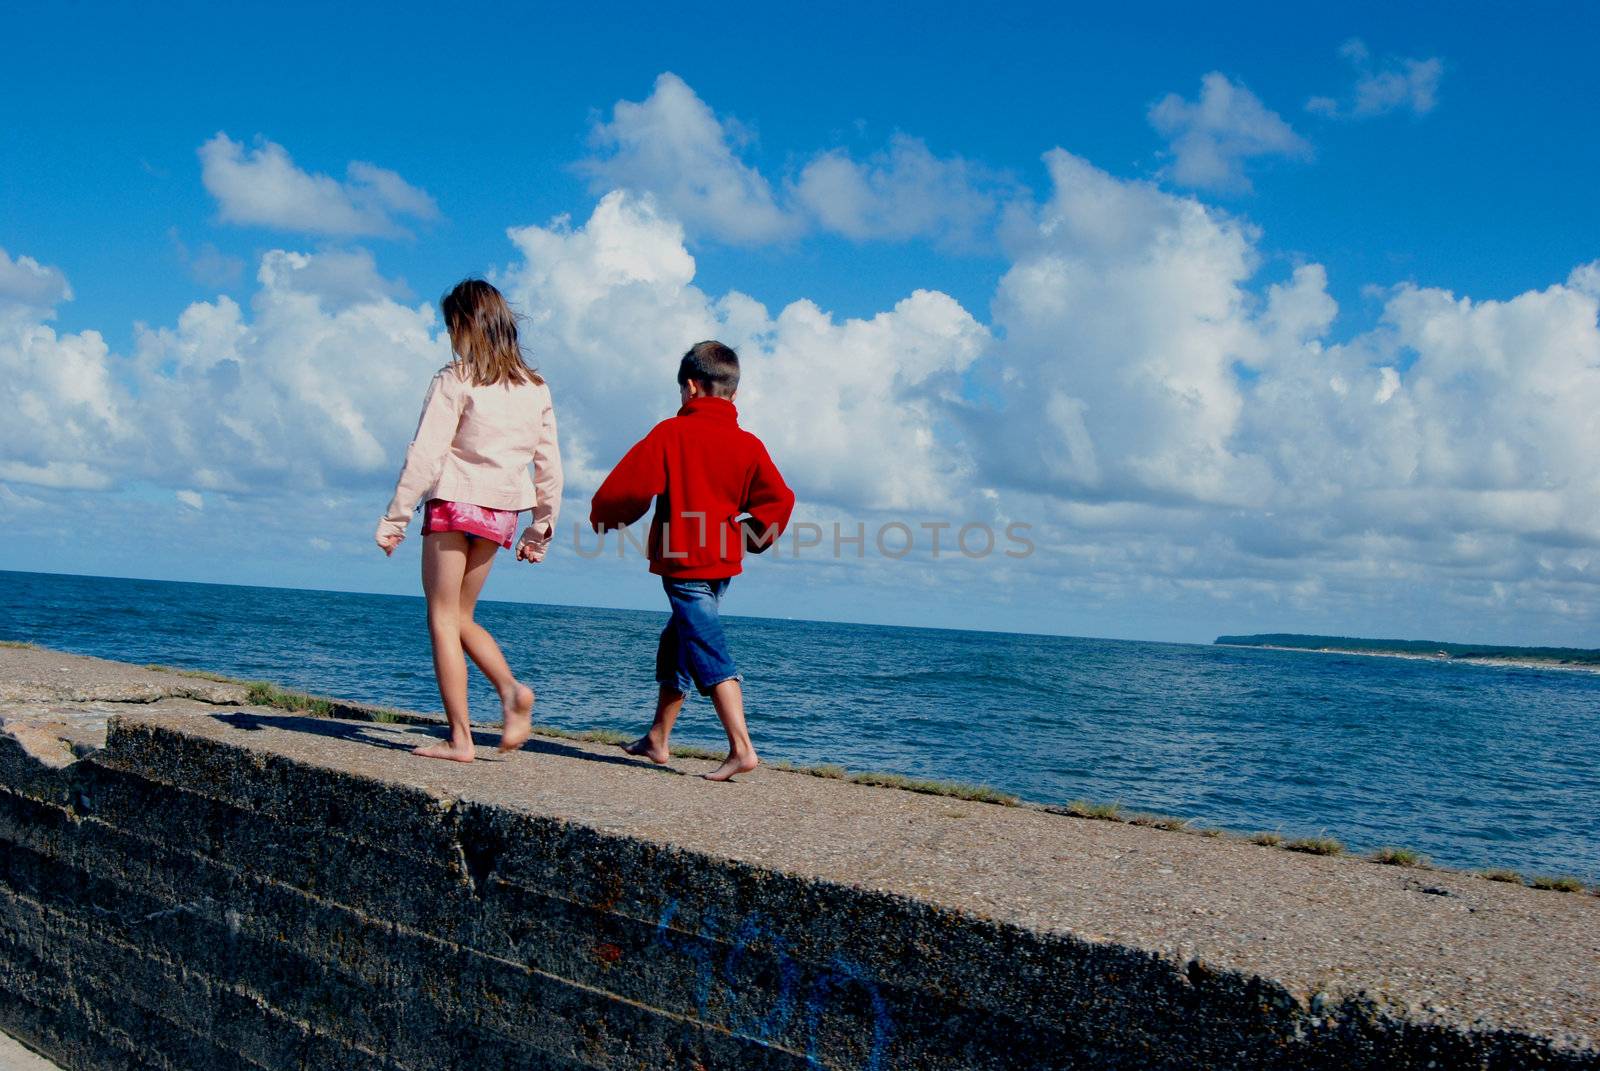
(653, 744)
(728, 698)
(516, 698)
(444, 566)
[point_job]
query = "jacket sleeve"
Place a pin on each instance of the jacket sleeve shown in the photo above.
(548, 483)
(441, 413)
(625, 495)
(769, 503)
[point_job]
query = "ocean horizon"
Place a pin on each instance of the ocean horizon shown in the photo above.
(1476, 766)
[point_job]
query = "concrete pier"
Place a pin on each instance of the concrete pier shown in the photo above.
(191, 882)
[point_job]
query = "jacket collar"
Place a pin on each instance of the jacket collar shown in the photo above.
(716, 408)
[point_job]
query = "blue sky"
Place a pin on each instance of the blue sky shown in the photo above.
(1474, 181)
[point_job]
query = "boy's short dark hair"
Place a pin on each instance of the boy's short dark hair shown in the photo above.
(712, 365)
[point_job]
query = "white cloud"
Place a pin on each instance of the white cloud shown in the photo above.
(612, 305)
(672, 145)
(64, 424)
(193, 499)
(1181, 432)
(207, 265)
(30, 288)
(1212, 138)
(1443, 455)
(314, 388)
(1124, 312)
(1396, 84)
(903, 192)
(263, 187)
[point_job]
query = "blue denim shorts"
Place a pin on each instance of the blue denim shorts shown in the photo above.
(693, 652)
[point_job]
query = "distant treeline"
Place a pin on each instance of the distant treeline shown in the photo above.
(1568, 656)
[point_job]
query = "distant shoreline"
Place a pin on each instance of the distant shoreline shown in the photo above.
(1413, 656)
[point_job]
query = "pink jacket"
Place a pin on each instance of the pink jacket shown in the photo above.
(474, 444)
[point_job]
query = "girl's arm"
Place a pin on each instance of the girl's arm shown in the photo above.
(547, 485)
(441, 412)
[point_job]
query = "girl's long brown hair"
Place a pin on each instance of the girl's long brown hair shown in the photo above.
(483, 333)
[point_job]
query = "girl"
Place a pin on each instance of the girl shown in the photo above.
(487, 416)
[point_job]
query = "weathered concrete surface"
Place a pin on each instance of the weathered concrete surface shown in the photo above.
(55, 706)
(248, 888)
(14, 1056)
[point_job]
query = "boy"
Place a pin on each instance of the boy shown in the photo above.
(706, 475)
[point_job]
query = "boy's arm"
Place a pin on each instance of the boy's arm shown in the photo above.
(548, 483)
(436, 428)
(625, 495)
(769, 503)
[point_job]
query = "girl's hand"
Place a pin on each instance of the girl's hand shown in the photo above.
(388, 542)
(532, 546)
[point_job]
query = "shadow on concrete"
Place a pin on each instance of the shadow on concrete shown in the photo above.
(381, 734)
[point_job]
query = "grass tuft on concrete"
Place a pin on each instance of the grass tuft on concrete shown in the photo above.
(1159, 821)
(1556, 883)
(1315, 846)
(957, 789)
(591, 736)
(1391, 856)
(196, 674)
(19, 645)
(1504, 874)
(262, 694)
(1104, 812)
(828, 771)
(1267, 840)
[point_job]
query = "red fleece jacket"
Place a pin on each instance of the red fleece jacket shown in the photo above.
(705, 473)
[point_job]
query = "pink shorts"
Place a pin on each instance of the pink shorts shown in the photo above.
(441, 515)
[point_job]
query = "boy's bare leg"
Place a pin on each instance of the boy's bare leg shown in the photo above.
(444, 565)
(516, 698)
(728, 698)
(653, 744)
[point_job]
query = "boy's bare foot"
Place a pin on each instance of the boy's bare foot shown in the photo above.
(444, 749)
(734, 764)
(646, 748)
(518, 724)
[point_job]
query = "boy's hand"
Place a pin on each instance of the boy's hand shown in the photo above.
(756, 538)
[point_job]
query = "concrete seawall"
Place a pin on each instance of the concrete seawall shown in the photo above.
(189, 882)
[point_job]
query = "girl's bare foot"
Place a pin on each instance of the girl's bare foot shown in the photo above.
(646, 748)
(518, 713)
(445, 749)
(734, 764)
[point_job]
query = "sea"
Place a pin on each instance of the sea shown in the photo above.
(1476, 766)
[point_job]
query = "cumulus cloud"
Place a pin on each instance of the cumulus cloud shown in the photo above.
(671, 144)
(207, 265)
(673, 147)
(1197, 436)
(64, 409)
(312, 387)
(30, 288)
(1395, 84)
(902, 192)
(1178, 417)
(613, 305)
(1211, 139)
(263, 187)
(1124, 312)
